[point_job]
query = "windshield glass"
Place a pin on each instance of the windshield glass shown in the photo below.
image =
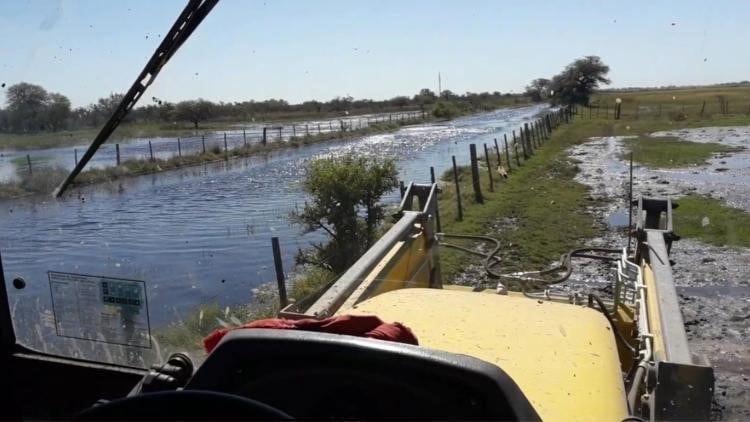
(305, 123)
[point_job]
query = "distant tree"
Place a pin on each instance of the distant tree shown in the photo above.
(448, 95)
(445, 110)
(345, 197)
(194, 111)
(400, 101)
(58, 111)
(538, 89)
(577, 82)
(26, 106)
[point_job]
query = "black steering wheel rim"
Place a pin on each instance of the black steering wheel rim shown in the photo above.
(192, 405)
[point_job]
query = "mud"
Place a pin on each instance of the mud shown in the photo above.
(713, 282)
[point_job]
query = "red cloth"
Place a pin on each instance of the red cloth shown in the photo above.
(351, 325)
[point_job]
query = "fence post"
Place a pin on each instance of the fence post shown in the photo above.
(117, 151)
(226, 148)
(515, 151)
(549, 124)
(330, 126)
(280, 128)
(475, 174)
(279, 271)
(75, 155)
(150, 150)
(497, 151)
(528, 138)
(703, 107)
(437, 210)
(28, 160)
(458, 190)
(507, 153)
(401, 188)
(307, 129)
(265, 135)
(294, 131)
(244, 138)
(179, 148)
(203, 142)
(329, 123)
(489, 168)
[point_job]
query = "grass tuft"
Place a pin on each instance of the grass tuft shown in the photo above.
(667, 151)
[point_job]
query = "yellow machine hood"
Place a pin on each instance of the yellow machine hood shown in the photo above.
(563, 357)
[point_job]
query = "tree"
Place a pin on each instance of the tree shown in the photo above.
(345, 202)
(577, 82)
(400, 101)
(445, 110)
(538, 89)
(26, 106)
(194, 111)
(58, 111)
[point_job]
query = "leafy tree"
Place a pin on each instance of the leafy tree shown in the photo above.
(345, 197)
(58, 111)
(400, 101)
(538, 89)
(26, 106)
(445, 110)
(194, 111)
(577, 82)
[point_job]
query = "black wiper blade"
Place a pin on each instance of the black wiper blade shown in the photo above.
(186, 23)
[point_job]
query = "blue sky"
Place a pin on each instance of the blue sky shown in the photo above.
(300, 50)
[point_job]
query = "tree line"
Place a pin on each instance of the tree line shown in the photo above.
(30, 108)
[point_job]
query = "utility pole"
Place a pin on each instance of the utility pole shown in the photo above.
(440, 85)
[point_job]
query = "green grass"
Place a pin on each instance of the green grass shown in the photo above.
(542, 206)
(726, 226)
(669, 151)
(540, 212)
(188, 333)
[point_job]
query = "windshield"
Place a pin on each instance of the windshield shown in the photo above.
(304, 123)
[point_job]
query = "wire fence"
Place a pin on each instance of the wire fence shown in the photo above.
(218, 142)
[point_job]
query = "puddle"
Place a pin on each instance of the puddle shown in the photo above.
(617, 219)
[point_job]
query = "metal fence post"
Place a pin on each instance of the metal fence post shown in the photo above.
(280, 279)
(458, 190)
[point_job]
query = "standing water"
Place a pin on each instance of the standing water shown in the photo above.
(203, 234)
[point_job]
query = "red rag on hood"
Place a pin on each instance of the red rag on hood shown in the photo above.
(351, 325)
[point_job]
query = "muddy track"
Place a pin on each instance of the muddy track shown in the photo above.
(713, 282)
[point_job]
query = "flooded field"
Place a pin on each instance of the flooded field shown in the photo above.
(201, 235)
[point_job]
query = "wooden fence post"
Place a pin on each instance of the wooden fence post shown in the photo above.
(507, 153)
(280, 129)
(294, 131)
(475, 174)
(703, 107)
(401, 188)
(458, 190)
(497, 151)
(117, 151)
(280, 279)
(179, 148)
(75, 155)
(437, 211)
(489, 168)
(244, 138)
(527, 137)
(203, 141)
(28, 160)
(150, 150)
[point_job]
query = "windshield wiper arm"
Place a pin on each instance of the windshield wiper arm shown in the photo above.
(186, 23)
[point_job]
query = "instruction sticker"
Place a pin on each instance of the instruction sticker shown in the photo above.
(106, 309)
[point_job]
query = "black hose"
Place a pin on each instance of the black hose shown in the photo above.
(491, 260)
(603, 309)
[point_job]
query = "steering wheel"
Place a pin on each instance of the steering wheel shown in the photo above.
(190, 405)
